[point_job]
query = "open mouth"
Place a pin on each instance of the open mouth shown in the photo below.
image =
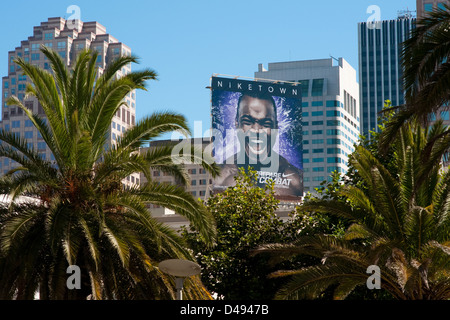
(257, 146)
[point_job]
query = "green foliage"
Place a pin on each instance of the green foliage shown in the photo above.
(84, 215)
(245, 218)
(426, 76)
(397, 220)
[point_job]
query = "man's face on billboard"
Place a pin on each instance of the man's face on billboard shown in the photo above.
(256, 119)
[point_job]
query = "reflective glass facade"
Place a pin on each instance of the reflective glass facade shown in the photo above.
(380, 71)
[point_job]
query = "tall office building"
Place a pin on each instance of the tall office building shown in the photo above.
(330, 95)
(424, 6)
(380, 69)
(68, 38)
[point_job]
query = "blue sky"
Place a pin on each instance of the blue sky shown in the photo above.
(186, 42)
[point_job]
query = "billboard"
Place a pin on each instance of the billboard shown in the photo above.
(258, 124)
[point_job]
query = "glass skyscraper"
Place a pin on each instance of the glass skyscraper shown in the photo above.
(380, 70)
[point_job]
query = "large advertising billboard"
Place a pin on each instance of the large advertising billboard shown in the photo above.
(258, 124)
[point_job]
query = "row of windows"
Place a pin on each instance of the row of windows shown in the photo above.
(201, 193)
(316, 89)
(201, 182)
(328, 103)
(190, 171)
(322, 150)
(321, 141)
(328, 160)
(194, 171)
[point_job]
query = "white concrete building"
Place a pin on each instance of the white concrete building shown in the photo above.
(331, 113)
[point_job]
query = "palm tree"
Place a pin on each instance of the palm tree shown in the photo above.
(426, 74)
(396, 223)
(84, 215)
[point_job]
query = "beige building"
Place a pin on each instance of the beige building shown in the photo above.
(200, 180)
(68, 38)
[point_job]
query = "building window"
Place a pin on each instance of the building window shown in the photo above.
(35, 56)
(41, 145)
(28, 134)
(333, 113)
(333, 141)
(428, 7)
(317, 113)
(332, 103)
(332, 169)
(332, 123)
(331, 132)
(334, 160)
(305, 88)
(15, 124)
(333, 151)
(317, 87)
(48, 36)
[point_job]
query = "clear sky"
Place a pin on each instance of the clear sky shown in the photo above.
(186, 42)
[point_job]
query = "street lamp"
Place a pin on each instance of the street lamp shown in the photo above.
(180, 269)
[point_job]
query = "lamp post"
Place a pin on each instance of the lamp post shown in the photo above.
(180, 269)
